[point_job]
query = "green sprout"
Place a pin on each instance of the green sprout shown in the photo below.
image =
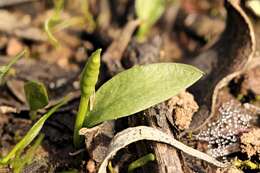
(36, 96)
(31, 134)
(148, 12)
(4, 69)
(55, 23)
(55, 19)
(88, 81)
(87, 15)
(141, 162)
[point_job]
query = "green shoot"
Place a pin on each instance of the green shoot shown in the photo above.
(87, 15)
(51, 22)
(32, 133)
(139, 88)
(55, 22)
(4, 69)
(19, 162)
(88, 81)
(149, 13)
(141, 162)
(36, 96)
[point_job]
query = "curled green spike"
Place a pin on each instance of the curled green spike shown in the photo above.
(88, 81)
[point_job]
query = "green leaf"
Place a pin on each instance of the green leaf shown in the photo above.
(36, 95)
(139, 88)
(149, 13)
(4, 69)
(32, 133)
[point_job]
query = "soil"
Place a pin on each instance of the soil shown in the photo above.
(220, 37)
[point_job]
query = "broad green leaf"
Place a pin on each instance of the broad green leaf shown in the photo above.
(36, 95)
(32, 133)
(6, 68)
(139, 88)
(149, 12)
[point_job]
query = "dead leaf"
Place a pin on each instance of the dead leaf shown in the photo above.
(135, 134)
(226, 59)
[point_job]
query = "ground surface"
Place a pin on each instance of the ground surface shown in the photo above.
(221, 38)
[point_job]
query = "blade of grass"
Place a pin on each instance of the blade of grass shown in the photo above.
(32, 133)
(53, 21)
(4, 69)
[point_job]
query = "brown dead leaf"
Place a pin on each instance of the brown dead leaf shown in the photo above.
(138, 133)
(228, 58)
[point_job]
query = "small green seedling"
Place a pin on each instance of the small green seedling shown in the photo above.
(31, 134)
(55, 23)
(88, 81)
(19, 162)
(130, 91)
(141, 162)
(36, 96)
(55, 19)
(148, 12)
(4, 69)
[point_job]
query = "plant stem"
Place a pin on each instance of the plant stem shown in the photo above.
(83, 108)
